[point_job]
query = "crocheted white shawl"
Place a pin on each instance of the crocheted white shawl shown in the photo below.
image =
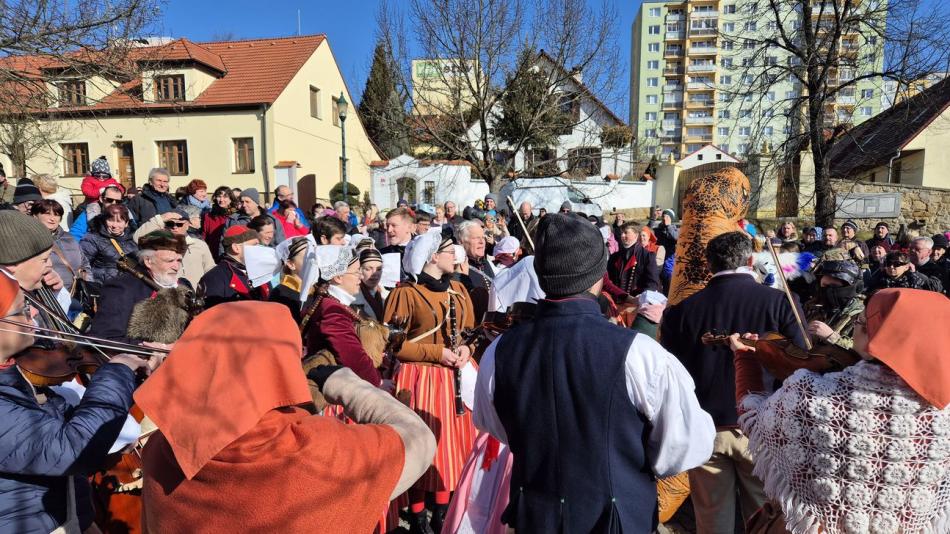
(852, 452)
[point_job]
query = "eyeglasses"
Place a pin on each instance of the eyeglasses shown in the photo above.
(175, 224)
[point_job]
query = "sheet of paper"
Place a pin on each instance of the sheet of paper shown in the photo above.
(391, 263)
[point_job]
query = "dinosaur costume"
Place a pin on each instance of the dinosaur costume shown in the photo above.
(714, 204)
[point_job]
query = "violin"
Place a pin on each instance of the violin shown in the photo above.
(781, 357)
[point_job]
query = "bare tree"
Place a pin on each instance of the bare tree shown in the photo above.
(46, 48)
(798, 69)
(473, 49)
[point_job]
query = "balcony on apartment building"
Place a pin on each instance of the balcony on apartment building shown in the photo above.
(703, 31)
(701, 67)
(700, 103)
(695, 138)
(668, 139)
(673, 88)
(669, 125)
(673, 52)
(699, 121)
(674, 18)
(674, 35)
(703, 14)
(672, 104)
(703, 50)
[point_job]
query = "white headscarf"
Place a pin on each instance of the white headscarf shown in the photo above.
(333, 260)
(264, 263)
(420, 250)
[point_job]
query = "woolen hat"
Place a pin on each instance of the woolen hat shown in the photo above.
(23, 237)
(570, 255)
(940, 241)
(100, 168)
(880, 224)
(252, 194)
(566, 205)
(669, 212)
(26, 191)
(850, 224)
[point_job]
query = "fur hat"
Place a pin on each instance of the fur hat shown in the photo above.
(163, 240)
(161, 319)
(238, 234)
(100, 168)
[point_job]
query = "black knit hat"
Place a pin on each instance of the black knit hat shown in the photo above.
(940, 241)
(570, 255)
(22, 237)
(26, 191)
(850, 224)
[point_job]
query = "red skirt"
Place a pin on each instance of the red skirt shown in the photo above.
(432, 396)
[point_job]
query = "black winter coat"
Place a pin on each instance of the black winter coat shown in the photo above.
(909, 280)
(144, 205)
(97, 246)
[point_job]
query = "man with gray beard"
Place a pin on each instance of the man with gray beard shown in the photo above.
(159, 256)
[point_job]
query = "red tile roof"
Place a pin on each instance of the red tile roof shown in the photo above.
(249, 72)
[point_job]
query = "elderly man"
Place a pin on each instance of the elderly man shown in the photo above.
(881, 237)
(478, 273)
(284, 193)
(25, 194)
(25, 254)
(228, 281)
(452, 213)
(159, 257)
(154, 199)
(527, 215)
(921, 250)
(248, 209)
(345, 214)
(849, 242)
(196, 260)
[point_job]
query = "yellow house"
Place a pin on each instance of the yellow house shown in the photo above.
(223, 112)
(908, 143)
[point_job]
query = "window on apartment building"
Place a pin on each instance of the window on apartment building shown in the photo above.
(729, 8)
(173, 155)
(748, 44)
(867, 93)
(768, 131)
(653, 47)
(725, 62)
(727, 45)
(728, 26)
(745, 131)
(770, 96)
(725, 97)
(866, 111)
(170, 88)
(650, 116)
(771, 26)
(335, 110)
(725, 114)
(428, 192)
(724, 148)
(584, 161)
(652, 99)
(654, 30)
(244, 154)
(725, 80)
(722, 130)
(653, 82)
(72, 93)
(650, 133)
(653, 64)
(75, 158)
(791, 95)
(745, 113)
(872, 40)
(787, 130)
(771, 60)
(748, 79)
(743, 148)
(654, 12)
(767, 113)
(746, 62)
(747, 97)
(750, 26)
(315, 103)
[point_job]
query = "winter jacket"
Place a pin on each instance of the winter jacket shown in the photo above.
(196, 260)
(228, 282)
(92, 187)
(240, 218)
(301, 215)
(212, 228)
(203, 205)
(47, 446)
(149, 203)
(666, 237)
(289, 229)
(68, 248)
(118, 298)
(910, 280)
(634, 270)
(102, 255)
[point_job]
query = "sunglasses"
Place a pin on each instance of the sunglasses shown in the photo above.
(895, 264)
(174, 224)
(111, 200)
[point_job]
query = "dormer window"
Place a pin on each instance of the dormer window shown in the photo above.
(72, 93)
(170, 88)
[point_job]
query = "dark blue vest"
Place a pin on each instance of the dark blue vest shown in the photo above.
(579, 445)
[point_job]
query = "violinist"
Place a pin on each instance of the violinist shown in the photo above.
(732, 301)
(838, 300)
(48, 448)
(159, 265)
(25, 254)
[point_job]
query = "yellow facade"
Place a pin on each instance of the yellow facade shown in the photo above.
(923, 161)
(282, 131)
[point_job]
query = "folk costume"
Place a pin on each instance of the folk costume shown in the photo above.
(228, 281)
(438, 311)
(267, 264)
(866, 449)
(592, 412)
(634, 268)
(370, 303)
(238, 417)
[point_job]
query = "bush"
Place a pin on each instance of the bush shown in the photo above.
(352, 194)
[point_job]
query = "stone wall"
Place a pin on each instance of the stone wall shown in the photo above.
(924, 209)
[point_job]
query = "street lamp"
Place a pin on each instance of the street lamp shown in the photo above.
(342, 106)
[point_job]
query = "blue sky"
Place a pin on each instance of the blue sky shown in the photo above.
(349, 25)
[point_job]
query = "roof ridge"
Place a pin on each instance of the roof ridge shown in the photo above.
(259, 39)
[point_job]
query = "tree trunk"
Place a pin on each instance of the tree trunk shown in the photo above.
(824, 194)
(18, 161)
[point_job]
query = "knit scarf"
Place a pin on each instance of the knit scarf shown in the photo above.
(854, 451)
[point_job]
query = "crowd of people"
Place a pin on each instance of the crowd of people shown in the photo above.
(444, 370)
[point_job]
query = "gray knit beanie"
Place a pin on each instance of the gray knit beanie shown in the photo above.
(570, 255)
(252, 194)
(22, 237)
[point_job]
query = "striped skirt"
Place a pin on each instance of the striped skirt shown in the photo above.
(432, 396)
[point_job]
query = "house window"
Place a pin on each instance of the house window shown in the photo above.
(654, 12)
(866, 111)
(428, 193)
(541, 161)
(244, 155)
(896, 172)
(584, 161)
(729, 8)
(72, 93)
(725, 80)
(654, 30)
(745, 131)
(335, 110)
(725, 114)
(867, 93)
(652, 99)
(653, 82)
(653, 47)
(75, 158)
(173, 155)
(315, 103)
(728, 26)
(170, 88)
(722, 130)
(653, 64)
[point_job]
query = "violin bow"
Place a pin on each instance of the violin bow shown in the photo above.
(511, 206)
(788, 294)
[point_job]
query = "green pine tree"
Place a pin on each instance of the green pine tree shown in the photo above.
(528, 111)
(382, 109)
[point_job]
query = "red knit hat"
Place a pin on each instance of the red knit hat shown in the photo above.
(238, 234)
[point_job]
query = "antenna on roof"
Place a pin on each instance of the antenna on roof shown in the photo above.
(298, 23)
